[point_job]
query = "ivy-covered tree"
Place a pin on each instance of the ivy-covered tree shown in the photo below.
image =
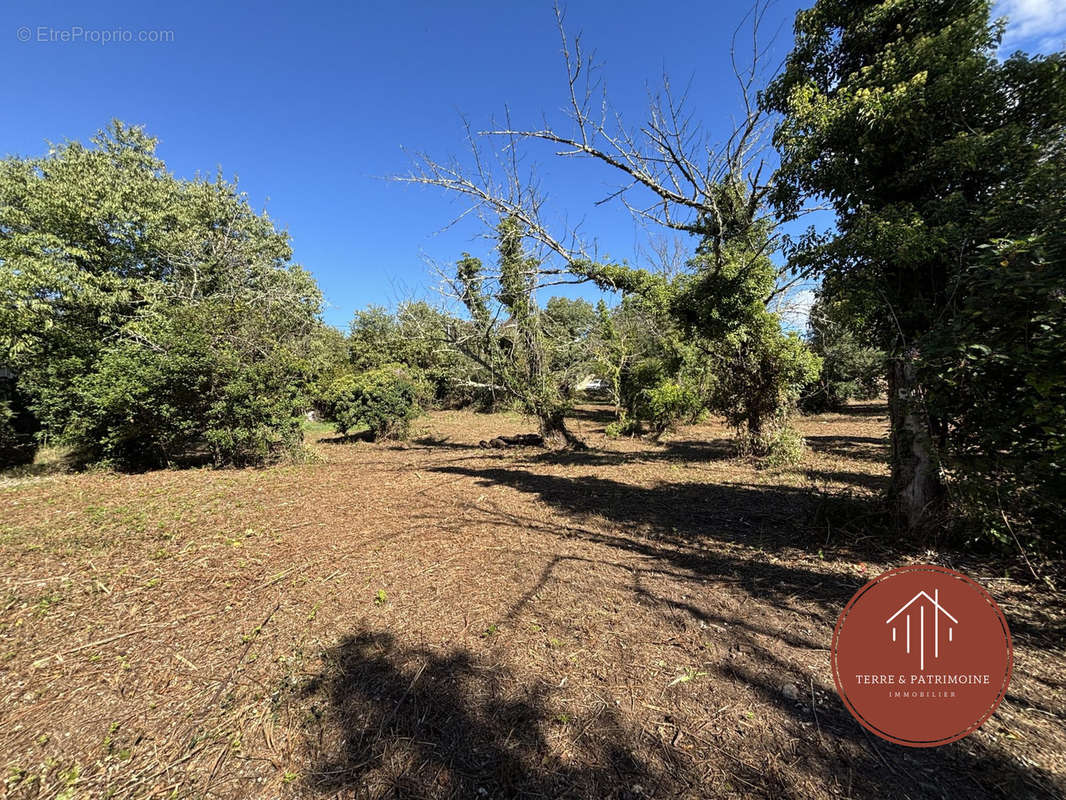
(901, 116)
(147, 317)
(506, 333)
(720, 302)
(674, 175)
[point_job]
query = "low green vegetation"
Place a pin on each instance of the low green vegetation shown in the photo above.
(385, 400)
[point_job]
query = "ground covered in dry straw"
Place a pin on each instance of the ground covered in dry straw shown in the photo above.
(438, 620)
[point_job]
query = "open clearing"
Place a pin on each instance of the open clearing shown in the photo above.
(641, 620)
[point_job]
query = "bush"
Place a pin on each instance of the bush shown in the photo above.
(652, 394)
(634, 383)
(18, 444)
(761, 372)
(997, 374)
(384, 399)
(142, 330)
(786, 448)
(195, 395)
(258, 414)
(670, 402)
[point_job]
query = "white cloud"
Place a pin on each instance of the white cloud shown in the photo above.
(1032, 25)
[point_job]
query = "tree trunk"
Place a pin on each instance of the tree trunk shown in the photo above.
(553, 429)
(756, 443)
(917, 490)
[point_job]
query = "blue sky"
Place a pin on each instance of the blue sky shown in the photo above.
(312, 105)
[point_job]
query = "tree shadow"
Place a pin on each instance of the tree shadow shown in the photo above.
(681, 511)
(863, 480)
(391, 719)
(444, 443)
(863, 410)
(830, 741)
(600, 414)
(967, 768)
(685, 524)
(692, 451)
(406, 721)
(865, 448)
(350, 438)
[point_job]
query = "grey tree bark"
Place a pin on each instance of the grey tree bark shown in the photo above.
(917, 488)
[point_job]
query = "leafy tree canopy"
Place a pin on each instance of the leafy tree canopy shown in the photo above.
(148, 316)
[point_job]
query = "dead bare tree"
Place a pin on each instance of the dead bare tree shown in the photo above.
(673, 175)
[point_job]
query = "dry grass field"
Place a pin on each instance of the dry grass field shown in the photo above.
(642, 620)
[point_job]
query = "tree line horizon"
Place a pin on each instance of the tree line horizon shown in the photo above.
(150, 321)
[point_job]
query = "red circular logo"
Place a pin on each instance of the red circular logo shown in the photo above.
(922, 655)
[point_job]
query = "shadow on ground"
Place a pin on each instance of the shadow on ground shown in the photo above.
(406, 721)
(867, 448)
(415, 723)
(401, 718)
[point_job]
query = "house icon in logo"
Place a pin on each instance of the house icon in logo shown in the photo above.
(923, 600)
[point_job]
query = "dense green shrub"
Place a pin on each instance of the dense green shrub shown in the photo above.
(786, 448)
(197, 394)
(669, 402)
(385, 400)
(419, 336)
(999, 373)
(635, 381)
(16, 447)
(326, 358)
(657, 397)
(761, 370)
(151, 319)
(17, 425)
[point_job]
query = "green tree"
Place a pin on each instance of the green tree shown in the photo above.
(851, 368)
(326, 358)
(901, 116)
(997, 370)
(149, 317)
(416, 335)
(375, 339)
(17, 424)
(457, 381)
(656, 376)
(506, 333)
(719, 301)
